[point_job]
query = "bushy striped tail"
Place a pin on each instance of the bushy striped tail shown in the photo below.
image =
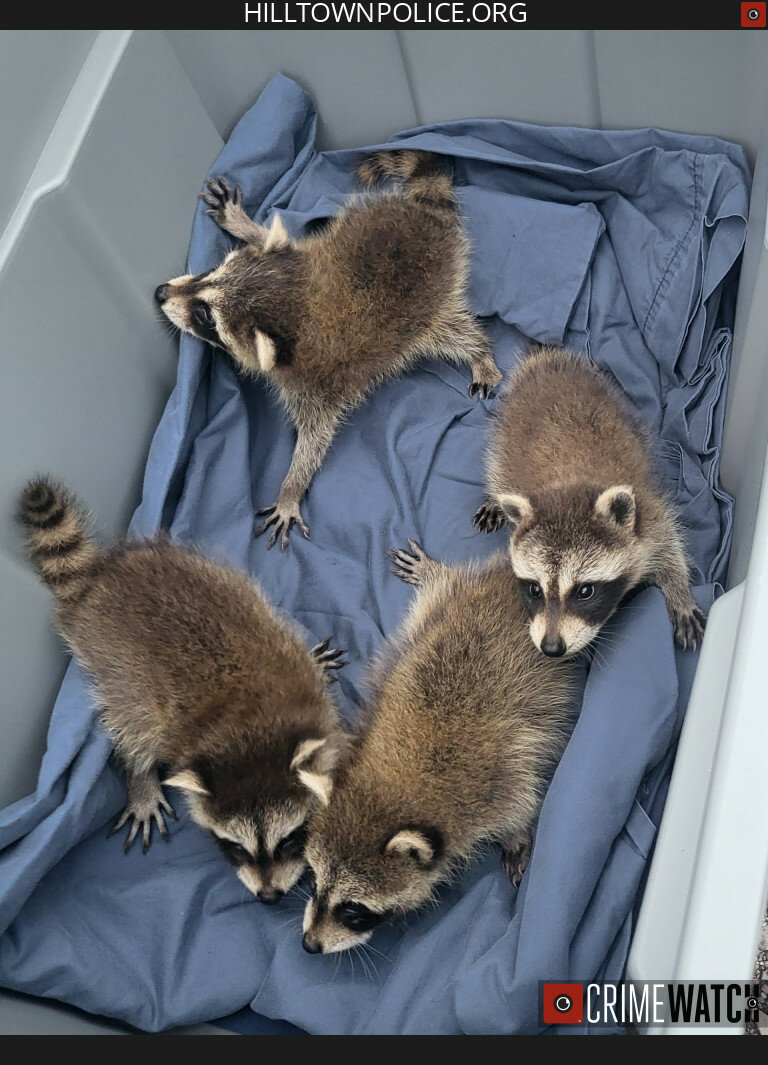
(422, 173)
(58, 538)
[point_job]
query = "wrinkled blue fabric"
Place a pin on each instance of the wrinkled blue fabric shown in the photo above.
(624, 244)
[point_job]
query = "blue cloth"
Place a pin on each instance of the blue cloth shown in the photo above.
(624, 244)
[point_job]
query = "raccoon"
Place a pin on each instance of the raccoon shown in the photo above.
(194, 671)
(465, 727)
(570, 467)
(328, 318)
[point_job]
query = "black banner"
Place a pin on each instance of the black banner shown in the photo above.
(496, 15)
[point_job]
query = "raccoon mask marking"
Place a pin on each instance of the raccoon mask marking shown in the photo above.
(575, 560)
(246, 306)
(352, 896)
(261, 831)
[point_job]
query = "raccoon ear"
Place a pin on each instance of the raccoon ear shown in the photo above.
(516, 507)
(188, 780)
(314, 759)
(278, 236)
(617, 505)
(424, 845)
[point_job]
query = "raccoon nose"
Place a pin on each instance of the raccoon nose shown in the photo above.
(554, 648)
(162, 292)
(310, 945)
(269, 898)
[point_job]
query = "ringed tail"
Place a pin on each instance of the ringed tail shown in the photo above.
(58, 538)
(422, 174)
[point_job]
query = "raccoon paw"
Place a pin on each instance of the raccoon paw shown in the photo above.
(689, 625)
(412, 568)
(489, 517)
(515, 858)
(329, 658)
(145, 804)
(224, 202)
(483, 382)
(283, 516)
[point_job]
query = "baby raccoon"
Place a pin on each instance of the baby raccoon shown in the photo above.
(328, 318)
(195, 671)
(571, 469)
(466, 725)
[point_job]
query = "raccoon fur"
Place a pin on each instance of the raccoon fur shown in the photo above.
(464, 729)
(327, 318)
(570, 467)
(193, 671)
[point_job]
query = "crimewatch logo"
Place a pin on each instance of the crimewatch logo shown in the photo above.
(651, 1004)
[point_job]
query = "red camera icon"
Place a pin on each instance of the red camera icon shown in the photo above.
(562, 1003)
(753, 15)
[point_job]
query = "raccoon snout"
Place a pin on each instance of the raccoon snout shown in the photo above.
(554, 648)
(162, 293)
(310, 945)
(269, 898)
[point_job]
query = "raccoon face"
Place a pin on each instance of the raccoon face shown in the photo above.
(244, 305)
(258, 812)
(357, 886)
(576, 555)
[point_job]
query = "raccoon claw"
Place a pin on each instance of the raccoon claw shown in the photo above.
(283, 518)
(220, 198)
(329, 657)
(144, 811)
(487, 378)
(489, 517)
(411, 568)
(515, 858)
(689, 627)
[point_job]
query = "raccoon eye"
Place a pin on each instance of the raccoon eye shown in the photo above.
(534, 590)
(233, 852)
(292, 845)
(584, 592)
(204, 316)
(357, 917)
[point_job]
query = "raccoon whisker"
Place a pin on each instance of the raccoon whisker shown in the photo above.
(380, 953)
(363, 962)
(291, 919)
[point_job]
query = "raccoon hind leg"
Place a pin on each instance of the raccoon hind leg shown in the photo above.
(415, 567)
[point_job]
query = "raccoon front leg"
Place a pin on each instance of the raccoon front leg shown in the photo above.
(489, 517)
(316, 427)
(672, 578)
(416, 568)
(226, 209)
(515, 855)
(146, 802)
(688, 620)
(470, 344)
